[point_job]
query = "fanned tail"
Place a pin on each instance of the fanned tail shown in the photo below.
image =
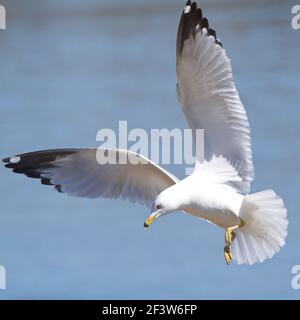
(265, 228)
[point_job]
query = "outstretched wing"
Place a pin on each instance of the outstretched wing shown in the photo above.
(78, 172)
(208, 95)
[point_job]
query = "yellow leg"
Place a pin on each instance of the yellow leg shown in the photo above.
(230, 235)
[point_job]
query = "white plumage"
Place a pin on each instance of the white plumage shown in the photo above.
(210, 100)
(256, 224)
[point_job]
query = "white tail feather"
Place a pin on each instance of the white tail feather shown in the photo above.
(265, 228)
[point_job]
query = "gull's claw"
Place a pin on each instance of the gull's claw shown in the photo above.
(227, 255)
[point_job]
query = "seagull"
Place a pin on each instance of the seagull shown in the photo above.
(218, 190)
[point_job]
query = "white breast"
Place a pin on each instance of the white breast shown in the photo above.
(217, 203)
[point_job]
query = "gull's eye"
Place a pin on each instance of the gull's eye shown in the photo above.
(158, 206)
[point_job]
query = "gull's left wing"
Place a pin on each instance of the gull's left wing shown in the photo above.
(93, 173)
(209, 98)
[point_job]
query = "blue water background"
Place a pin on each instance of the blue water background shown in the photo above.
(70, 68)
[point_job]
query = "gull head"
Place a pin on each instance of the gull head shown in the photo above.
(165, 203)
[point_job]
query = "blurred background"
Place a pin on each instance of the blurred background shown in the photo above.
(70, 68)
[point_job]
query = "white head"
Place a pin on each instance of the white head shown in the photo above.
(165, 203)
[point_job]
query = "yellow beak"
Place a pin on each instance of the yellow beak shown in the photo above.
(149, 221)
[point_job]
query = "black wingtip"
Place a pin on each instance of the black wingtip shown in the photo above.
(199, 14)
(212, 32)
(204, 23)
(58, 188)
(46, 181)
(191, 22)
(9, 165)
(34, 164)
(219, 43)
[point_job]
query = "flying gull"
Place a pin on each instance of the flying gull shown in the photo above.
(218, 189)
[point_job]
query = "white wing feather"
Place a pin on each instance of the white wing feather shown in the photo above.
(78, 173)
(209, 98)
